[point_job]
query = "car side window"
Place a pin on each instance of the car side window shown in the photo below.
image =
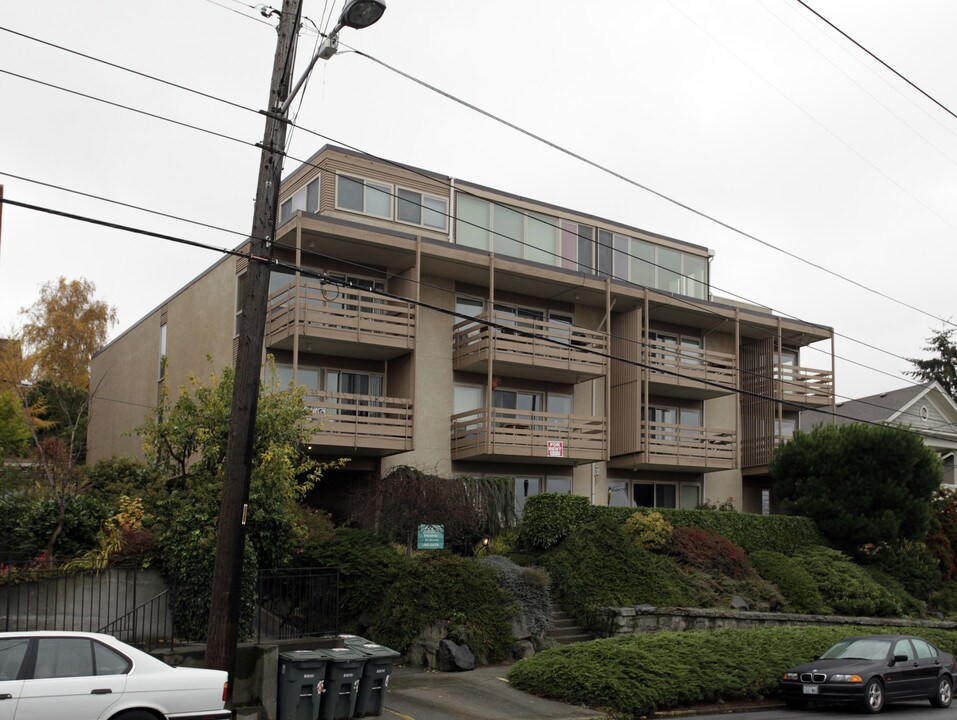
(12, 652)
(109, 661)
(903, 647)
(924, 650)
(63, 657)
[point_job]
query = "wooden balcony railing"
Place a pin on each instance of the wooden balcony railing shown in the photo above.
(804, 385)
(689, 445)
(679, 364)
(535, 343)
(360, 421)
(333, 313)
(515, 433)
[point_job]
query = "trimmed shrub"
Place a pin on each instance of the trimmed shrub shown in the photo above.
(795, 583)
(442, 587)
(912, 564)
(550, 517)
(636, 675)
(600, 565)
(649, 529)
(528, 588)
(846, 587)
(709, 551)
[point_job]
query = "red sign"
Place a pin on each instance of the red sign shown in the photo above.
(556, 448)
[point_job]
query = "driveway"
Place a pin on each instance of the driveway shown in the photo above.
(480, 694)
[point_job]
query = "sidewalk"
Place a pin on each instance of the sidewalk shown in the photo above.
(480, 694)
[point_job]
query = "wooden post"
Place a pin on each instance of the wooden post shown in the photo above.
(224, 608)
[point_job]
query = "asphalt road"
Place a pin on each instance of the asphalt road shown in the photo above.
(897, 711)
(480, 694)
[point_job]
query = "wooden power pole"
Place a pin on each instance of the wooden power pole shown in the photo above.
(224, 611)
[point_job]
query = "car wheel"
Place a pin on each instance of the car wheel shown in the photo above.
(873, 696)
(944, 694)
(795, 704)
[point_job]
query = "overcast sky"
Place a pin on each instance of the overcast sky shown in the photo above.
(750, 111)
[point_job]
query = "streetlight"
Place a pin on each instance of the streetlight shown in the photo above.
(357, 14)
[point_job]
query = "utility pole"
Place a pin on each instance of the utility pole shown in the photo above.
(224, 611)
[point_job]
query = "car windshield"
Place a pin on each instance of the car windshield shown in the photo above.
(861, 649)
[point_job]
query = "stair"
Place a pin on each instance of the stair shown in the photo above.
(563, 629)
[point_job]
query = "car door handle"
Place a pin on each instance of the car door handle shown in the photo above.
(6, 696)
(101, 691)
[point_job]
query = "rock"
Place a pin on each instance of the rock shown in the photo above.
(454, 657)
(523, 649)
(739, 603)
(520, 629)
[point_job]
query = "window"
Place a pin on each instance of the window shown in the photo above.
(240, 294)
(60, 657)
(663, 495)
(618, 493)
(306, 198)
(418, 209)
(12, 652)
(690, 496)
(578, 246)
(504, 230)
(526, 487)
(108, 661)
(655, 266)
(162, 356)
(646, 493)
(466, 398)
(364, 196)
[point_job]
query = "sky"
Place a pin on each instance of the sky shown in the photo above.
(752, 112)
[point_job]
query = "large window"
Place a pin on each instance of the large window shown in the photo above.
(420, 209)
(506, 231)
(645, 493)
(306, 198)
(529, 486)
(364, 196)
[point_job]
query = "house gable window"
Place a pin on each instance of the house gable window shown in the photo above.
(364, 196)
(306, 199)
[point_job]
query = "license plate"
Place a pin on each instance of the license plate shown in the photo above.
(810, 689)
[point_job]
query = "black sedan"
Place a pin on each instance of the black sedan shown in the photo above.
(869, 671)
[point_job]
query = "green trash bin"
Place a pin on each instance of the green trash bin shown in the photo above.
(301, 677)
(374, 682)
(343, 672)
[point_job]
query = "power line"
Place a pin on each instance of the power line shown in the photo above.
(906, 80)
(497, 204)
(324, 277)
(646, 188)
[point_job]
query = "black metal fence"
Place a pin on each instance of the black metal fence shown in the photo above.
(290, 604)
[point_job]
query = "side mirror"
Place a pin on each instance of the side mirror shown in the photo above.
(899, 658)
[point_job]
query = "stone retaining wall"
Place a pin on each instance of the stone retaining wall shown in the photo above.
(646, 618)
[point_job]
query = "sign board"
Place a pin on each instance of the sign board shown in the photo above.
(431, 537)
(556, 448)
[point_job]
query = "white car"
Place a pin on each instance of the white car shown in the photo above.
(89, 676)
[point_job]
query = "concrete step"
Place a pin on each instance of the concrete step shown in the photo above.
(563, 629)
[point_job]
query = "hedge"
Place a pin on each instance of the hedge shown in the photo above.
(548, 518)
(636, 675)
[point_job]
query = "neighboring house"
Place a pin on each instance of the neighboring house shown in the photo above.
(924, 407)
(611, 371)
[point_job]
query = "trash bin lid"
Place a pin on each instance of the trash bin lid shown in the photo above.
(343, 654)
(373, 650)
(298, 657)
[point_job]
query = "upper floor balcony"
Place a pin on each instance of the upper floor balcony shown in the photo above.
(806, 386)
(505, 434)
(688, 371)
(691, 448)
(331, 320)
(529, 348)
(359, 424)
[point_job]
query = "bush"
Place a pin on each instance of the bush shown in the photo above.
(795, 583)
(846, 587)
(649, 529)
(912, 564)
(550, 517)
(528, 589)
(636, 675)
(27, 522)
(709, 551)
(441, 587)
(367, 564)
(600, 565)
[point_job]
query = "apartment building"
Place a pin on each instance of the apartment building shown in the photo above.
(464, 330)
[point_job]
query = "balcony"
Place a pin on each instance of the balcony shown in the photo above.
(502, 435)
(804, 385)
(339, 321)
(359, 424)
(683, 371)
(527, 348)
(681, 447)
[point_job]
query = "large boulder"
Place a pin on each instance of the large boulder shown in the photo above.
(454, 657)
